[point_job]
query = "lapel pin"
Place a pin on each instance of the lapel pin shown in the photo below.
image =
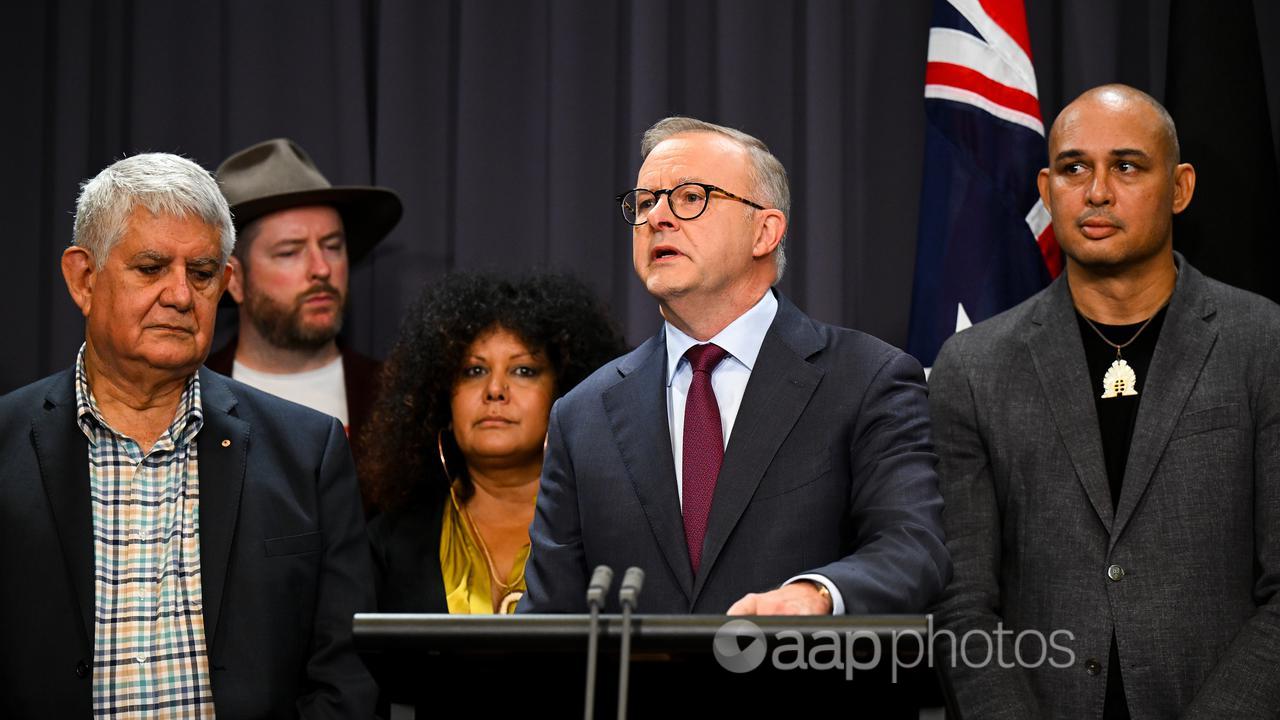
(226, 443)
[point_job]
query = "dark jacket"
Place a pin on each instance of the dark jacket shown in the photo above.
(829, 470)
(283, 554)
(1184, 571)
(406, 555)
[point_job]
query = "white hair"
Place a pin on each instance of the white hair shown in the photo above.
(767, 173)
(162, 183)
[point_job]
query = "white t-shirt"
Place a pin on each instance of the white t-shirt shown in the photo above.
(322, 389)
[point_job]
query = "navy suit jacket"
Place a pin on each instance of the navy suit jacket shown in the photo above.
(284, 560)
(829, 469)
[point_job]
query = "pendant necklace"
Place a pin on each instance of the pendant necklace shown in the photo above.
(1120, 379)
(509, 596)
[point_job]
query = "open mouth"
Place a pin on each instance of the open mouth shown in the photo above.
(664, 252)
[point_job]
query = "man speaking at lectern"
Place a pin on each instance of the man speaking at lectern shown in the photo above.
(749, 459)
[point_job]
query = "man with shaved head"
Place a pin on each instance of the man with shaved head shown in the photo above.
(1110, 458)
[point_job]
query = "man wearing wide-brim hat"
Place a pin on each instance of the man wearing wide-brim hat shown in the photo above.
(298, 237)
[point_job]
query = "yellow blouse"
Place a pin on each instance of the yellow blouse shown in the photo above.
(465, 566)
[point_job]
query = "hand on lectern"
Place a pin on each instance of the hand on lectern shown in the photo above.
(798, 598)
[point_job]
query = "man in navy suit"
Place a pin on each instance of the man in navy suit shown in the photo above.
(749, 459)
(172, 542)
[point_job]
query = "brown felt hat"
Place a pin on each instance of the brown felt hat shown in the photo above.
(278, 174)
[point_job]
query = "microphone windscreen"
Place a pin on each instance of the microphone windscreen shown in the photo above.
(632, 581)
(601, 579)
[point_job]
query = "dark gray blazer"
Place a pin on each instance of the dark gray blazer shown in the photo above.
(283, 557)
(1195, 537)
(829, 469)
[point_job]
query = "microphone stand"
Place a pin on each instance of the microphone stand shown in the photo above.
(628, 596)
(601, 579)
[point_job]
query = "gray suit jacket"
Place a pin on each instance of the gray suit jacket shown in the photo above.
(829, 469)
(1195, 537)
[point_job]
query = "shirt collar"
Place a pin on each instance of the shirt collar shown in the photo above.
(187, 421)
(741, 339)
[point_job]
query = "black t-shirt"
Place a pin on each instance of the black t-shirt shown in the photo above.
(1116, 419)
(1117, 415)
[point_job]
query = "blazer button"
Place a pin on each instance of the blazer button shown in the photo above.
(1115, 572)
(1093, 667)
(82, 669)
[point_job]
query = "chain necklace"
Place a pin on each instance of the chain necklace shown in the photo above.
(509, 597)
(1120, 379)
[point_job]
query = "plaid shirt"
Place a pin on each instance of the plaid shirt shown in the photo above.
(149, 656)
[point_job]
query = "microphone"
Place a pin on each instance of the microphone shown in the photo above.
(629, 593)
(601, 579)
(629, 596)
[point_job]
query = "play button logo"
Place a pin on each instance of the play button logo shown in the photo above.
(739, 646)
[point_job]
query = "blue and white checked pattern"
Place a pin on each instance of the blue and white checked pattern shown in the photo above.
(149, 654)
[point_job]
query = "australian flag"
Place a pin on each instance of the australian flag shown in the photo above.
(985, 242)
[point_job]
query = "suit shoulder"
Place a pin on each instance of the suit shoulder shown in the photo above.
(21, 405)
(610, 374)
(999, 333)
(1243, 307)
(32, 394)
(861, 340)
(869, 349)
(415, 519)
(360, 363)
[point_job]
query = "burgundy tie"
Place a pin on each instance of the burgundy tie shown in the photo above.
(703, 447)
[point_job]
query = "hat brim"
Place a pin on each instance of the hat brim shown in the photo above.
(368, 213)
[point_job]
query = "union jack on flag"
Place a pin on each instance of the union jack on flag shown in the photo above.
(985, 242)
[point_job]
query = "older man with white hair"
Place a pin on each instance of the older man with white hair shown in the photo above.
(172, 543)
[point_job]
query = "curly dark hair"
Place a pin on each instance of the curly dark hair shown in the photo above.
(553, 313)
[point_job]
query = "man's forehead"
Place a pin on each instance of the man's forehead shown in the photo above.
(167, 236)
(303, 219)
(1105, 125)
(696, 155)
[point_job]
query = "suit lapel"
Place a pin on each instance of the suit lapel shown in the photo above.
(1058, 354)
(63, 453)
(1179, 356)
(637, 410)
(223, 446)
(781, 384)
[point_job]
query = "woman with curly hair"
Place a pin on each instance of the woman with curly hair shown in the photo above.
(454, 450)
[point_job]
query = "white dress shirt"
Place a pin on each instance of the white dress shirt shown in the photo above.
(741, 339)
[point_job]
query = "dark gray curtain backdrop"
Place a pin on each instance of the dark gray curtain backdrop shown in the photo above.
(508, 127)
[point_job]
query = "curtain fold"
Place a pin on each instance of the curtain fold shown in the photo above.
(508, 127)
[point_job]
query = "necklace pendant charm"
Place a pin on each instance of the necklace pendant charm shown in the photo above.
(508, 604)
(1119, 380)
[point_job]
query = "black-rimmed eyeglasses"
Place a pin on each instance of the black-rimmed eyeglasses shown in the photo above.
(687, 201)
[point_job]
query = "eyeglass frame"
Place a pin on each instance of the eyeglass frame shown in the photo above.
(657, 194)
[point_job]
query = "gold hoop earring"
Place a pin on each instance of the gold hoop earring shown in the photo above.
(440, 448)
